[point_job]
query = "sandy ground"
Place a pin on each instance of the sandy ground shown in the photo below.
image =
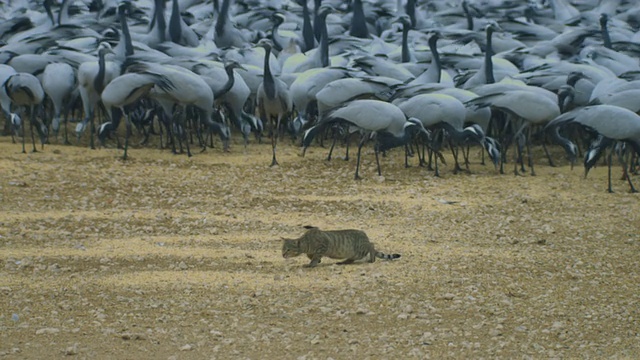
(169, 257)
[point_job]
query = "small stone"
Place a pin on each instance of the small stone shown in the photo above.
(187, 347)
(71, 350)
(47, 331)
(182, 266)
(129, 336)
(448, 296)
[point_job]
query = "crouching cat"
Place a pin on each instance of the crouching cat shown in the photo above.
(349, 244)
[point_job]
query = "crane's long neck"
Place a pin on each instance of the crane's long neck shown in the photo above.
(435, 56)
(222, 17)
(274, 36)
(467, 15)
(175, 28)
(128, 45)
(227, 85)
(269, 82)
(569, 147)
(160, 22)
(386, 141)
(324, 42)
(565, 97)
(307, 29)
(358, 21)
(47, 7)
(318, 23)
(63, 15)
(410, 9)
(405, 43)
(457, 134)
(98, 82)
(488, 62)
(605, 32)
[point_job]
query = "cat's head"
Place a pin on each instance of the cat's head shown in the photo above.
(290, 248)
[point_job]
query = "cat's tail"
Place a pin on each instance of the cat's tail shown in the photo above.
(387, 256)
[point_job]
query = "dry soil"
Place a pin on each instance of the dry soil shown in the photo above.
(169, 257)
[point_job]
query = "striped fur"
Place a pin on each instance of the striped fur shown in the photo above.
(349, 244)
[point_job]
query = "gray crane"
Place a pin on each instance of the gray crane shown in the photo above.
(612, 122)
(25, 90)
(444, 112)
(385, 120)
(274, 99)
(59, 83)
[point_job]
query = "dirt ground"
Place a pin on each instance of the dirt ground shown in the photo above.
(169, 257)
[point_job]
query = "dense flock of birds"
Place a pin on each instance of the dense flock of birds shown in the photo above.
(423, 75)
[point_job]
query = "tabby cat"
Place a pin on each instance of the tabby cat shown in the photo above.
(349, 244)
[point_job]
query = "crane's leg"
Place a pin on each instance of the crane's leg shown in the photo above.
(274, 140)
(436, 145)
(23, 135)
(626, 171)
(92, 129)
(66, 121)
(609, 167)
(32, 120)
(547, 154)
(406, 156)
(430, 162)
(626, 162)
(127, 135)
(178, 129)
(423, 161)
(188, 137)
(519, 138)
(465, 154)
(454, 152)
(360, 145)
(529, 153)
(333, 144)
(517, 154)
(346, 153)
(377, 160)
